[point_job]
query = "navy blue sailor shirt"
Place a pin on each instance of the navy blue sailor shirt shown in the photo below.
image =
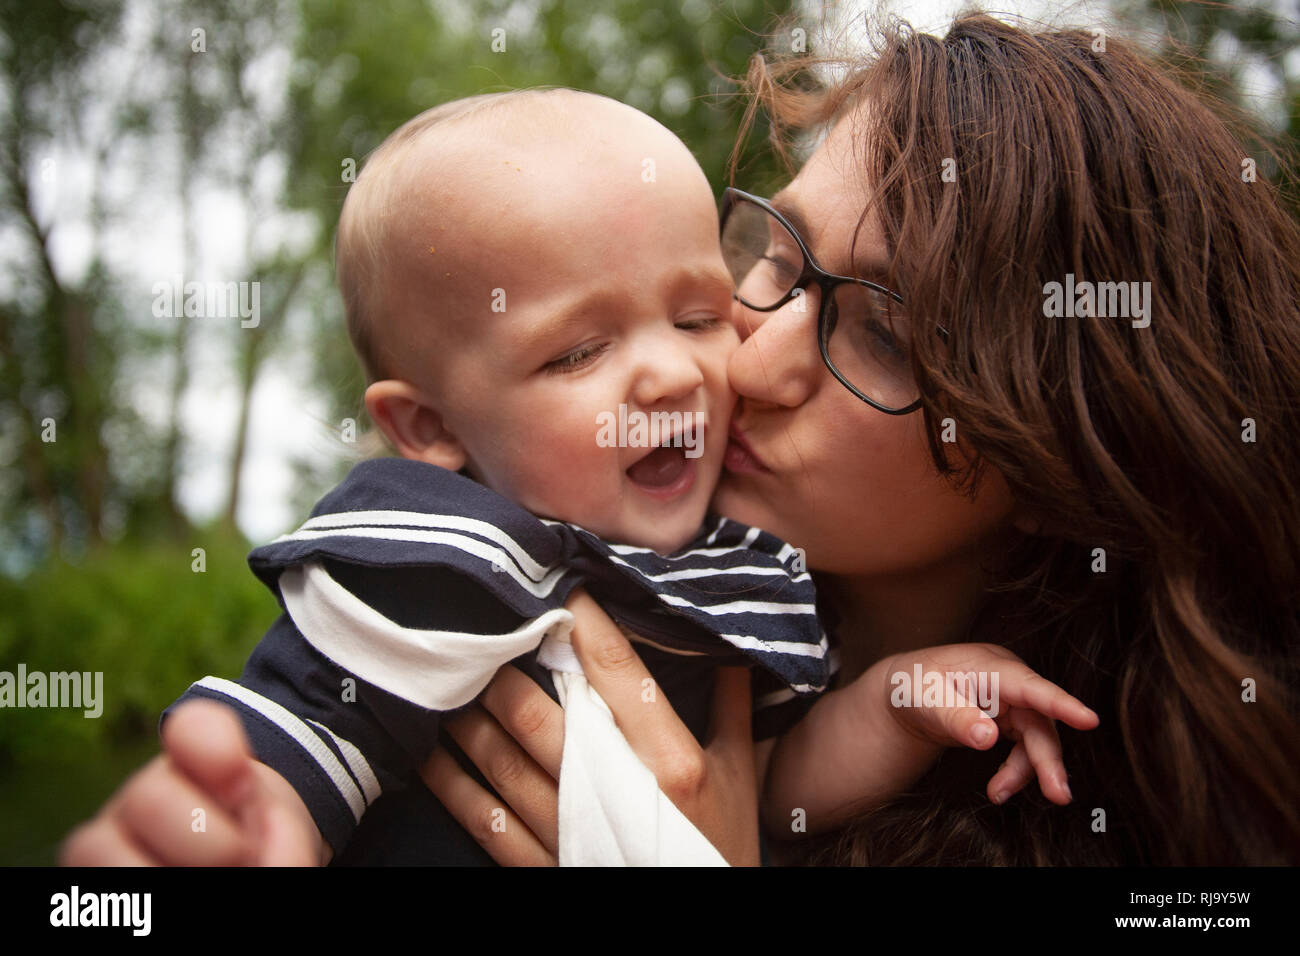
(417, 575)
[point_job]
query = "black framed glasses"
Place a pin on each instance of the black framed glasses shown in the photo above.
(862, 331)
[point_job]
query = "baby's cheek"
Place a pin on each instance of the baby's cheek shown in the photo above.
(570, 480)
(726, 346)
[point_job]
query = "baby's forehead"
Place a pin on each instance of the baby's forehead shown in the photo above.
(509, 181)
(562, 134)
(521, 199)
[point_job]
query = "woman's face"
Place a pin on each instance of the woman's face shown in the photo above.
(855, 488)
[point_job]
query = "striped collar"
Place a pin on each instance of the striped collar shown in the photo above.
(733, 592)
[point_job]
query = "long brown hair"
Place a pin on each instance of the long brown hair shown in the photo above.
(1001, 160)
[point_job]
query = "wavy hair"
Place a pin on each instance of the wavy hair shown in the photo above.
(1174, 448)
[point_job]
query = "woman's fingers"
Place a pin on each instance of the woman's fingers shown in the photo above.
(515, 737)
(528, 715)
(642, 712)
(715, 789)
(531, 793)
(496, 828)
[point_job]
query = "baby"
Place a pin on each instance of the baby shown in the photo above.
(534, 285)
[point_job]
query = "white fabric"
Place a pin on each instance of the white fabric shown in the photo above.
(611, 812)
(439, 670)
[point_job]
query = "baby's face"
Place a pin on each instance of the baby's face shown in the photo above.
(586, 294)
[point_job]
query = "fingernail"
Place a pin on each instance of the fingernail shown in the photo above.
(1000, 797)
(1066, 787)
(982, 732)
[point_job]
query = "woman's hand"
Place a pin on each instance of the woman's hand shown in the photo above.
(515, 736)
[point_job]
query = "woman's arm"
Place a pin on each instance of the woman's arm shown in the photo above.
(516, 737)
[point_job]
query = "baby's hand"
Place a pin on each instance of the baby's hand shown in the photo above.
(204, 801)
(946, 709)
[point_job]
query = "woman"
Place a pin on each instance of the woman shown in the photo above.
(1107, 486)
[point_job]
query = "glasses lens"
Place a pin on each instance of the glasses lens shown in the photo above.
(868, 341)
(764, 259)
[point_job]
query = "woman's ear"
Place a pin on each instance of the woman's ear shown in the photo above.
(1027, 523)
(413, 424)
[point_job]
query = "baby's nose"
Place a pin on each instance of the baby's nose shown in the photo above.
(670, 372)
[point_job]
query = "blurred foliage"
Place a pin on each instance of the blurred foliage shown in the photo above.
(140, 614)
(95, 552)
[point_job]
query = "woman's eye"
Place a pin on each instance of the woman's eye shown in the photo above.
(575, 360)
(885, 341)
(709, 322)
(783, 269)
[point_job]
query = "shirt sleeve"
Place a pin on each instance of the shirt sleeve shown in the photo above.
(339, 740)
(777, 708)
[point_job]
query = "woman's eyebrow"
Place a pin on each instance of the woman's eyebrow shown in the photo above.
(790, 209)
(867, 265)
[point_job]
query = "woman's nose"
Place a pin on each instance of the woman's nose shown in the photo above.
(777, 361)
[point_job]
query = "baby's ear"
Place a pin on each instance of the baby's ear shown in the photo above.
(411, 422)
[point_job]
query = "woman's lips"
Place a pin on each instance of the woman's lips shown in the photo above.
(740, 458)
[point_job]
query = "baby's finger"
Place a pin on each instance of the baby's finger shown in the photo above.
(497, 829)
(1021, 686)
(171, 820)
(101, 843)
(1011, 777)
(206, 742)
(962, 724)
(965, 726)
(283, 841)
(1038, 734)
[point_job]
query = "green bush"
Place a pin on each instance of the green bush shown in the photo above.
(141, 615)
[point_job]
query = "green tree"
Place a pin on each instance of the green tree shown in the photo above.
(56, 356)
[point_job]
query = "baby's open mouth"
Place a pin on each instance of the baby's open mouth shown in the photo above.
(661, 468)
